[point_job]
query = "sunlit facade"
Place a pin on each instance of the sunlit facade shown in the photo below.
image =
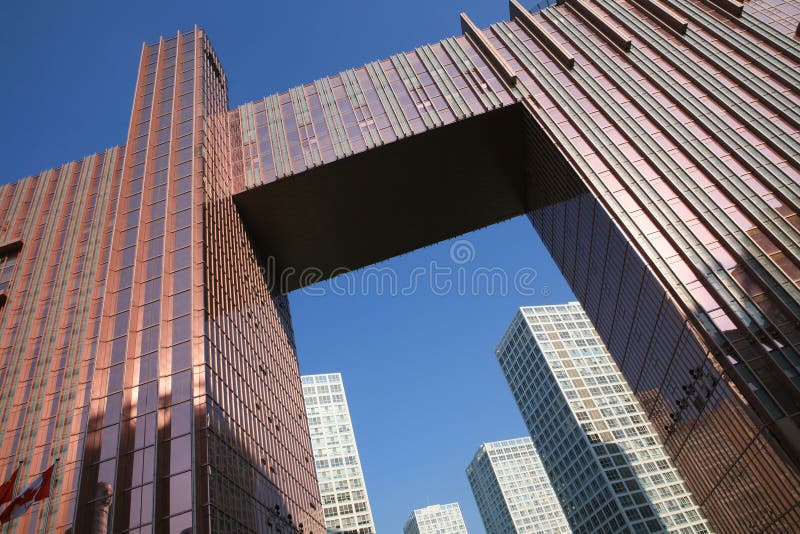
(343, 491)
(512, 490)
(436, 519)
(605, 461)
(145, 334)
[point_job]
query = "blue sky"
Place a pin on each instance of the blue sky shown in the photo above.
(419, 368)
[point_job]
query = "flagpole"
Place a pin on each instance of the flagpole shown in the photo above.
(48, 504)
(14, 492)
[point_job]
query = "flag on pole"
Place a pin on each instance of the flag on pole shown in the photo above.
(7, 489)
(38, 490)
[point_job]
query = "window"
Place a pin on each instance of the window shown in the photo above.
(8, 260)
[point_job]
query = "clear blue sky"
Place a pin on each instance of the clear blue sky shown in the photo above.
(419, 369)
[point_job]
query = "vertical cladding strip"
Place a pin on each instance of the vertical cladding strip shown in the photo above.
(246, 125)
(27, 267)
(759, 441)
(10, 200)
(415, 90)
(468, 72)
(759, 52)
(341, 144)
(702, 113)
(116, 340)
(80, 292)
(11, 194)
(84, 341)
(724, 176)
(771, 268)
(291, 129)
(682, 239)
(388, 100)
(26, 196)
(776, 133)
(564, 103)
(258, 470)
(443, 82)
(280, 147)
(39, 352)
(35, 254)
(757, 209)
(305, 127)
(780, 103)
(366, 124)
(763, 31)
(601, 197)
(266, 161)
(311, 127)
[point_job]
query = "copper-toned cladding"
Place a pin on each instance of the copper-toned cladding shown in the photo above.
(146, 338)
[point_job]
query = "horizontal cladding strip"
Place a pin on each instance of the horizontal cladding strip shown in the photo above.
(770, 132)
(777, 102)
(600, 23)
(680, 241)
(752, 50)
(536, 30)
(728, 180)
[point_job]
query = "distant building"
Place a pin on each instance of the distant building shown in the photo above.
(341, 480)
(604, 459)
(436, 519)
(512, 490)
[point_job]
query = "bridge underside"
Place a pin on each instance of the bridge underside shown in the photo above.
(392, 199)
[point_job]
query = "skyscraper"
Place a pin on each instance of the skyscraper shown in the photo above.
(512, 490)
(604, 459)
(436, 519)
(343, 492)
(145, 334)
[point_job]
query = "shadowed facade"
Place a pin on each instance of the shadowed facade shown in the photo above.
(145, 335)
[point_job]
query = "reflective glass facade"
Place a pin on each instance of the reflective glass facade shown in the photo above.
(512, 490)
(653, 143)
(345, 502)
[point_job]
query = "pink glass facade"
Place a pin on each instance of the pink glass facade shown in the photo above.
(144, 344)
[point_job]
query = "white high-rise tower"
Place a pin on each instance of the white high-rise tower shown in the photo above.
(436, 519)
(604, 459)
(345, 503)
(512, 490)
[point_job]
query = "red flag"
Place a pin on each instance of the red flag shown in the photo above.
(7, 489)
(37, 490)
